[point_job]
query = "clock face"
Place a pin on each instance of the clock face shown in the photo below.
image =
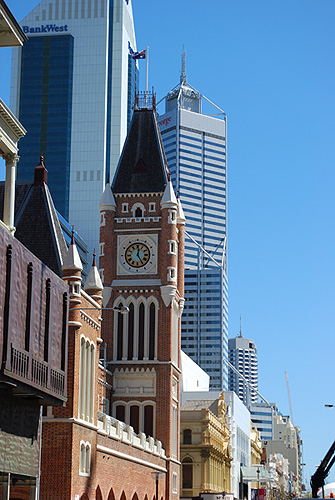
(137, 254)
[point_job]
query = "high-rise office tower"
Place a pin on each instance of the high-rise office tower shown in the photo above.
(73, 85)
(243, 356)
(195, 148)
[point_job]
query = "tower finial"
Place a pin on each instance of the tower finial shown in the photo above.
(183, 67)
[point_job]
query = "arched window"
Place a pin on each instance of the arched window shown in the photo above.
(85, 459)
(138, 210)
(187, 436)
(47, 319)
(28, 305)
(119, 350)
(149, 420)
(131, 331)
(141, 331)
(187, 471)
(152, 330)
(86, 380)
(135, 418)
(120, 413)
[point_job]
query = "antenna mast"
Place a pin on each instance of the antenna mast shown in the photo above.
(183, 67)
(289, 396)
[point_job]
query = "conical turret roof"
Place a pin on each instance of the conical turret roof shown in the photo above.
(72, 260)
(93, 280)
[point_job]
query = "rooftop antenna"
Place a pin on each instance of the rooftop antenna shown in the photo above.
(241, 334)
(183, 67)
(289, 397)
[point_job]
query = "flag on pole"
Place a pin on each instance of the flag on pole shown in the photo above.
(137, 55)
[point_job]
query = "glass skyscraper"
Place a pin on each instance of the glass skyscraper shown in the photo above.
(195, 148)
(73, 87)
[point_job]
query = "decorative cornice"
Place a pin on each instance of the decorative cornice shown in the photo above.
(134, 195)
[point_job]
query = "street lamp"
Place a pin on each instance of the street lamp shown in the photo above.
(157, 475)
(258, 472)
(121, 309)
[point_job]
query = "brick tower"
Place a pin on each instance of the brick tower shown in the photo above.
(142, 266)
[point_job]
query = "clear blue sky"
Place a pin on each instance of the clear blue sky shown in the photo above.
(270, 66)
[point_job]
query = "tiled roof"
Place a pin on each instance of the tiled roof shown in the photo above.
(37, 225)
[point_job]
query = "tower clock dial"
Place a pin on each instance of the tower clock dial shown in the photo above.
(137, 254)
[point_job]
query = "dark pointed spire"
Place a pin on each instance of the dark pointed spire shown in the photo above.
(142, 167)
(40, 174)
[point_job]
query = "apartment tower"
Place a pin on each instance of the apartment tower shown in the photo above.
(243, 356)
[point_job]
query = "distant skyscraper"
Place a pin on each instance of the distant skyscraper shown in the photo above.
(262, 417)
(73, 85)
(243, 356)
(195, 148)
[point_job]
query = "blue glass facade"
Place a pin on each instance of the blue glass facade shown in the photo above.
(45, 111)
(195, 148)
(133, 84)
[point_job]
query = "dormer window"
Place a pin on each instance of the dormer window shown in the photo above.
(138, 210)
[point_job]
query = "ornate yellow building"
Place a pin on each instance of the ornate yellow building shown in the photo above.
(256, 449)
(204, 447)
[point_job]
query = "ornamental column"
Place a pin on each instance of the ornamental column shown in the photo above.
(8, 210)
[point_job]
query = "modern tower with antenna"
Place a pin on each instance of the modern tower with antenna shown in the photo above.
(243, 356)
(195, 148)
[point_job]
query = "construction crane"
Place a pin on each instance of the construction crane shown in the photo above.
(319, 476)
(289, 397)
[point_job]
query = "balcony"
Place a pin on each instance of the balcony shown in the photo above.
(34, 324)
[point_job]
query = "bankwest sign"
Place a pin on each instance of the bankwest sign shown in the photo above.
(45, 28)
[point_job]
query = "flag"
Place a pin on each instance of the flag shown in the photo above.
(137, 55)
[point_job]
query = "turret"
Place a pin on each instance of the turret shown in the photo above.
(93, 285)
(72, 269)
(107, 209)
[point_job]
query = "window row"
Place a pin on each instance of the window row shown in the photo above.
(138, 209)
(29, 310)
(141, 416)
(86, 380)
(135, 336)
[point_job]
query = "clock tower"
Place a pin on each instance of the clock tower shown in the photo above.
(142, 267)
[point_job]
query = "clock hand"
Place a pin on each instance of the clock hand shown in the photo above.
(138, 253)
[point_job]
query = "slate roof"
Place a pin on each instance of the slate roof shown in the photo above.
(37, 225)
(142, 166)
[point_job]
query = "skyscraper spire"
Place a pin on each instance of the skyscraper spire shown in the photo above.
(241, 334)
(183, 67)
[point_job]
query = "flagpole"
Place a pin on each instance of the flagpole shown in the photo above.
(147, 76)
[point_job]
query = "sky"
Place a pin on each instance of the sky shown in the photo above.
(270, 66)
